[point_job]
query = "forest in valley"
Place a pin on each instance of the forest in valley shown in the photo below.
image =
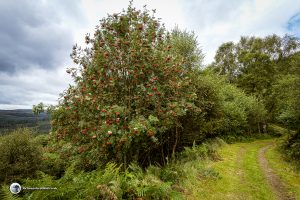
(145, 116)
(21, 118)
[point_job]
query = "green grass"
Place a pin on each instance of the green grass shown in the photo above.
(287, 172)
(240, 175)
(207, 188)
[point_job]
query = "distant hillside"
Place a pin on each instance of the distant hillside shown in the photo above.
(12, 119)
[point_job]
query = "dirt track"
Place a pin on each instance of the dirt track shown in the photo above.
(278, 187)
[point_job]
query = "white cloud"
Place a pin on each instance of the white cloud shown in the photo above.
(32, 86)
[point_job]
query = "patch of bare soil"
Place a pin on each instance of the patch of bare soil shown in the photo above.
(277, 185)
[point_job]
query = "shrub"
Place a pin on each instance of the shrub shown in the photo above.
(56, 158)
(286, 94)
(276, 130)
(53, 164)
(207, 121)
(225, 109)
(243, 113)
(42, 139)
(291, 146)
(20, 156)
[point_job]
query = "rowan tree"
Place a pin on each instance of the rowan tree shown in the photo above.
(131, 87)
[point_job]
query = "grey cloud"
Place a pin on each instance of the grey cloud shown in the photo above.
(36, 38)
(2, 101)
(35, 33)
(5, 65)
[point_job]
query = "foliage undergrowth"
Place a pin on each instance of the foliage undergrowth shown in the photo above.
(289, 144)
(291, 147)
(233, 138)
(277, 130)
(112, 182)
(20, 155)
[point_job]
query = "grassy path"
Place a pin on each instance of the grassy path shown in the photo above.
(252, 170)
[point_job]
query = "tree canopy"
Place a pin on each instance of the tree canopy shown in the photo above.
(257, 64)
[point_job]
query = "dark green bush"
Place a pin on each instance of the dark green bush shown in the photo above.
(206, 123)
(53, 164)
(276, 130)
(233, 138)
(226, 109)
(56, 158)
(42, 139)
(291, 146)
(243, 113)
(20, 156)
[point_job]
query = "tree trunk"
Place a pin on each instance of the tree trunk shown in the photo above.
(175, 144)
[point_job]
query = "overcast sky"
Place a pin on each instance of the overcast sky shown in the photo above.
(36, 37)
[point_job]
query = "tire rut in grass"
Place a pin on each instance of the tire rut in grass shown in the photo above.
(276, 184)
(240, 171)
(240, 157)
